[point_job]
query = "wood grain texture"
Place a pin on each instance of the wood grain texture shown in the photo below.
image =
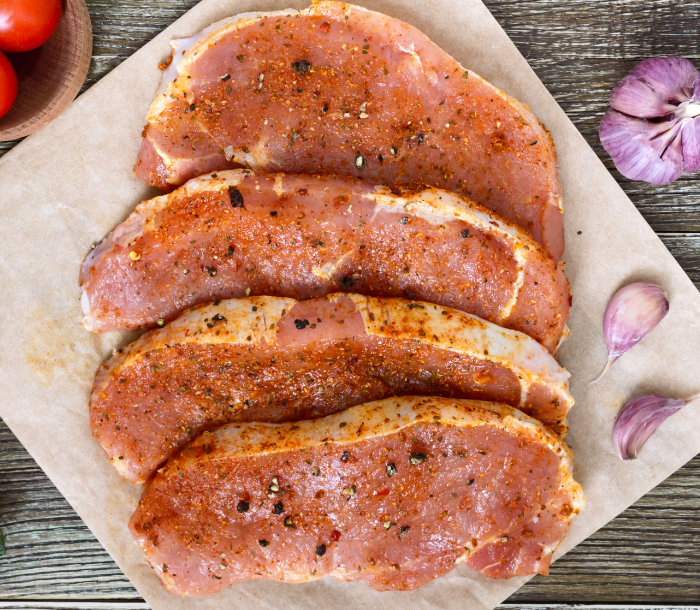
(648, 555)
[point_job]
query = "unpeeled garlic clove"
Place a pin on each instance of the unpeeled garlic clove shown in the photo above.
(632, 313)
(639, 419)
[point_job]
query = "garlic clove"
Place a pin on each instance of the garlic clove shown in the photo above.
(639, 419)
(608, 364)
(632, 313)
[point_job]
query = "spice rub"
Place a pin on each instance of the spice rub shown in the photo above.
(342, 90)
(273, 359)
(235, 233)
(393, 493)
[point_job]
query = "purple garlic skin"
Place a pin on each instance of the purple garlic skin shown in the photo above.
(632, 313)
(652, 131)
(639, 419)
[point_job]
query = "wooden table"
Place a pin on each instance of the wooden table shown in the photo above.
(649, 554)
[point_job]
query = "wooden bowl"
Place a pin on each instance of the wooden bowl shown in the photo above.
(50, 76)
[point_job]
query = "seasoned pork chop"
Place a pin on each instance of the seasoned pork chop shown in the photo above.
(235, 233)
(276, 360)
(393, 493)
(339, 89)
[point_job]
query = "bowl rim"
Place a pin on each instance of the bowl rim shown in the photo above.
(77, 11)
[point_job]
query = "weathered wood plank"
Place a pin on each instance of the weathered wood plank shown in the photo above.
(50, 551)
(580, 49)
(686, 248)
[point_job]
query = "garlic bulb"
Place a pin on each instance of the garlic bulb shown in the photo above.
(639, 419)
(632, 313)
(651, 130)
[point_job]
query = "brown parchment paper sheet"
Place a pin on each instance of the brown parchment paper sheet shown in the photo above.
(70, 184)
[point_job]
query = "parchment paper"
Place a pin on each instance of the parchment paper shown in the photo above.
(69, 185)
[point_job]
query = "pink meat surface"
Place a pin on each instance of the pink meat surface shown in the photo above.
(343, 90)
(235, 233)
(393, 493)
(276, 360)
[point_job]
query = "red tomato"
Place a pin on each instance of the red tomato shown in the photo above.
(8, 85)
(27, 24)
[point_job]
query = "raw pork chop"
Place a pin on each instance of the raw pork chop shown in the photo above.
(273, 359)
(299, 236)
(340, 89)
(393, 493)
